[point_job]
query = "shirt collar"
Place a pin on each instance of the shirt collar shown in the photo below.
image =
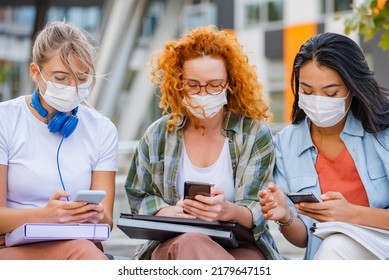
(231, 122)
(181, 125)
(352, 127)
(305, 136)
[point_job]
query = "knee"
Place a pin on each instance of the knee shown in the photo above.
(183, 240)
(81, 244)
(336, 247)
(190, 246)
(192, 237)
(83, 249)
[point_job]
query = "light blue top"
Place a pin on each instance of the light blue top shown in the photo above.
(295, 165)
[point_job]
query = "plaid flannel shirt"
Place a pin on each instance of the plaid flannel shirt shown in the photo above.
(151, 180)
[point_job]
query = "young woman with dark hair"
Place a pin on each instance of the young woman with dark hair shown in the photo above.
(337, 148)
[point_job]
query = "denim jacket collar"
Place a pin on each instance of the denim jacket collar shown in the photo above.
(305, 136)
(351, 127)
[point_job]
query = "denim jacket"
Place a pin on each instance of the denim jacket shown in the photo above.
(295, 165)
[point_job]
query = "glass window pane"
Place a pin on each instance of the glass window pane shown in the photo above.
(275, 9)
(16, 28)
(322, 7)
(342, 5)
(277, 106)
(86, 17)
(276, 87)
(252, 14)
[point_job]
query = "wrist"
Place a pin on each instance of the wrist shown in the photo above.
(286, 221)
(39, 215)
(240, 214)
(233, 211)
(356, 214)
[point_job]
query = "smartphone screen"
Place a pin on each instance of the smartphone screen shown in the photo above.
(191, 189)
(302, 197)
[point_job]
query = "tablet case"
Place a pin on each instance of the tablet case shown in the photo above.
(161, 228)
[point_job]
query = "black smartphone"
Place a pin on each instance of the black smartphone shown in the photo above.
(302, 197)
(191, 189)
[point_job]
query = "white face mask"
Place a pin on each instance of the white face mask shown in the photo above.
(323, 111)
(212, 104)
(63, 99)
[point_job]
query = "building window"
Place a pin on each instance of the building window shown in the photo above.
(342, 5)
(276, 88)
(16, 27)
(275, 10)
(252, 14)
(199, 13)
(262, 12)
(334, 6)
(88, 18)
(153, 14)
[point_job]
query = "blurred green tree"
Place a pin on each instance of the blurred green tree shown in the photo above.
(370, 17)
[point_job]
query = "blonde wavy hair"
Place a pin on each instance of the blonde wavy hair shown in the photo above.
(244, 94)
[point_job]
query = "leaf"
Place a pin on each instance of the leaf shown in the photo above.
(384, 42)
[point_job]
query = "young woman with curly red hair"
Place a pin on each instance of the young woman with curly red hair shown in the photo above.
(213, 130)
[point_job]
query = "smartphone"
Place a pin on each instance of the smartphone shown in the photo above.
(302, 197)
(90, 196)
(191, 189)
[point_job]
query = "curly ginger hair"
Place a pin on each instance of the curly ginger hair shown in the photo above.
(244, 94)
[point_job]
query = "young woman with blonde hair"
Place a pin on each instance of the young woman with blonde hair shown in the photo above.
(53, 145)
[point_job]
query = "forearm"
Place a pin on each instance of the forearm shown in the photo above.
(105, 180)
(107, 220)
(13, 218)
(363, 216)
(240, 214)
(296, 232)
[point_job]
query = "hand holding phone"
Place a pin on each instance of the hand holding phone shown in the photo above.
(90, 196)
(191, 189)
(299, 197)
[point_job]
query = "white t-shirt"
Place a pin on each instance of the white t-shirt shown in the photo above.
(30, 151)
(219, 173)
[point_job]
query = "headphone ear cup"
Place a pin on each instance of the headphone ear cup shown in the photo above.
(56, 122)
(69, 126)
(63, 123)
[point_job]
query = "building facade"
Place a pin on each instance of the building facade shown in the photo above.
(127, 31)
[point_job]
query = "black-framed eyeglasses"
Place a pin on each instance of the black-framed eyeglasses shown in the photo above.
(213, 87)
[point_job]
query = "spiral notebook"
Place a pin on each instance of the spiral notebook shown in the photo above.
(374, 239)
(150, 227)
